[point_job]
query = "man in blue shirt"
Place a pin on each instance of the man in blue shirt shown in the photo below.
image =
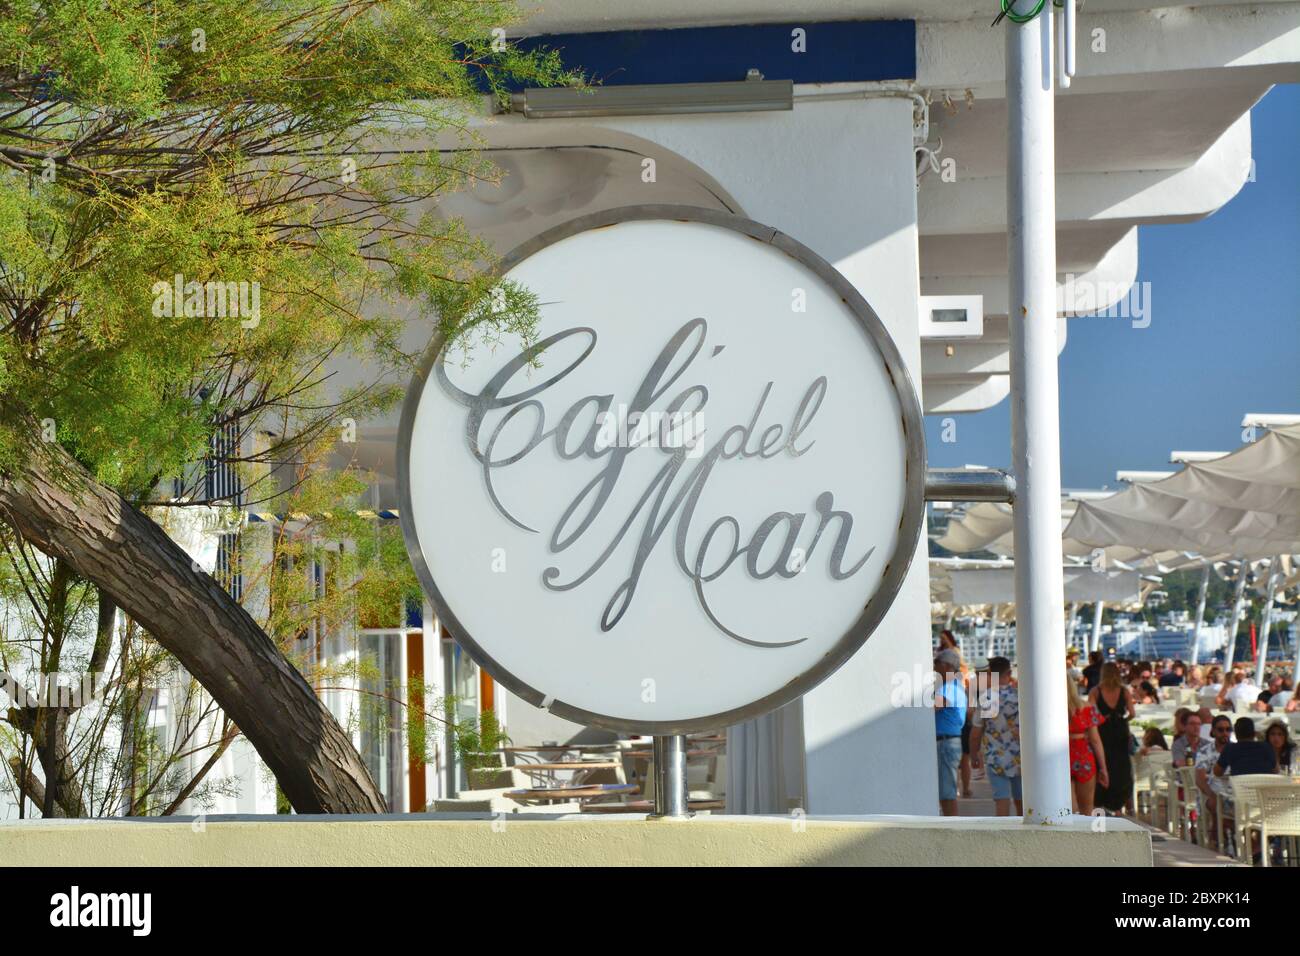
(1247, 755)
(949, 716)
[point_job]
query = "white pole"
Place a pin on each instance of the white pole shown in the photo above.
(1095, 643)
(1238, 602)
(991, 640)
(1267, 624)
(1035, 419)
(1069, 628)
(1200, 616)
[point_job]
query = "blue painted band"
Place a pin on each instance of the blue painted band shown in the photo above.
(839, 51)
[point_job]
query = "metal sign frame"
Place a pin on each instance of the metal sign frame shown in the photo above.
(897, 564)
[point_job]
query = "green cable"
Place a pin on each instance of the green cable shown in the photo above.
(1010, 13)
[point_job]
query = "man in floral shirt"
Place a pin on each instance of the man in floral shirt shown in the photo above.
(1001, 733)
(1217, 790)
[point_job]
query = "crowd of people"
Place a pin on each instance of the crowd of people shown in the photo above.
(1102, 700)
(1148, 682)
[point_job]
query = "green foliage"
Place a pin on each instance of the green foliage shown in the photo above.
(476, 742)
(286, 144)
(1184, 590)
(294, 147)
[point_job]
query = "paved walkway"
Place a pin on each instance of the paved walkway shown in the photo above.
(1165, 849)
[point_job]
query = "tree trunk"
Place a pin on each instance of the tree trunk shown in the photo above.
(30, 786)
(56, 505)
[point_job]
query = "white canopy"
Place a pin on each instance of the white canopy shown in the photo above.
(974, 582)
(986, 526)
(1081, 584)
(1245, 504)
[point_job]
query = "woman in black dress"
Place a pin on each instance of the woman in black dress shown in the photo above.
(1115, 704)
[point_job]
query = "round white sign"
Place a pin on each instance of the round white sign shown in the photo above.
(695, 503)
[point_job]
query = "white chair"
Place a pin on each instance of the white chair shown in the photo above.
(1181, 800)
(1279, 816)
(1141, 783)
(1189, 803)
(1223, 821)
(1157, 765)
(1245, 807)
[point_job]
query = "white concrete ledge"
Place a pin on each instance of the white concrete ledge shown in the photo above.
(588, 840)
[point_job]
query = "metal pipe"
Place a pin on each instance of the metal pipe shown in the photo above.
(1200, 616)
(1094, 643)
(1066, 35)
(991, 640)
(943, 484)
(1035, 418)
(1069, 628)
(1238, 602)
(670, 777)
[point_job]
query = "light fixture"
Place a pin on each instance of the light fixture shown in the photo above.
(952, 316)
(743, 96)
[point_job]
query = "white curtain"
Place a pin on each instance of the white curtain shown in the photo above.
(765, 763)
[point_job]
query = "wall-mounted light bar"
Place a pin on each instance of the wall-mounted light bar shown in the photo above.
(655, 100)
(952, 316)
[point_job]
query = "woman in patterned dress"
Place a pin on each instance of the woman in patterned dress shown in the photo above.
(1087, 758)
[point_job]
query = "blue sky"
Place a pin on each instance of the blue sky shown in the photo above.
(1224, 337)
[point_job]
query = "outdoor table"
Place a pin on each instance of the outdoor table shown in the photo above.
(548, 794)
(555, 752)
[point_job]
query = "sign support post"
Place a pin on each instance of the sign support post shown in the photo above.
(671, 796)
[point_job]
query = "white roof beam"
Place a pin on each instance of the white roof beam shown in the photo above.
(960, 397)
(1111, 277)
(980, 205)
(1261, 41)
